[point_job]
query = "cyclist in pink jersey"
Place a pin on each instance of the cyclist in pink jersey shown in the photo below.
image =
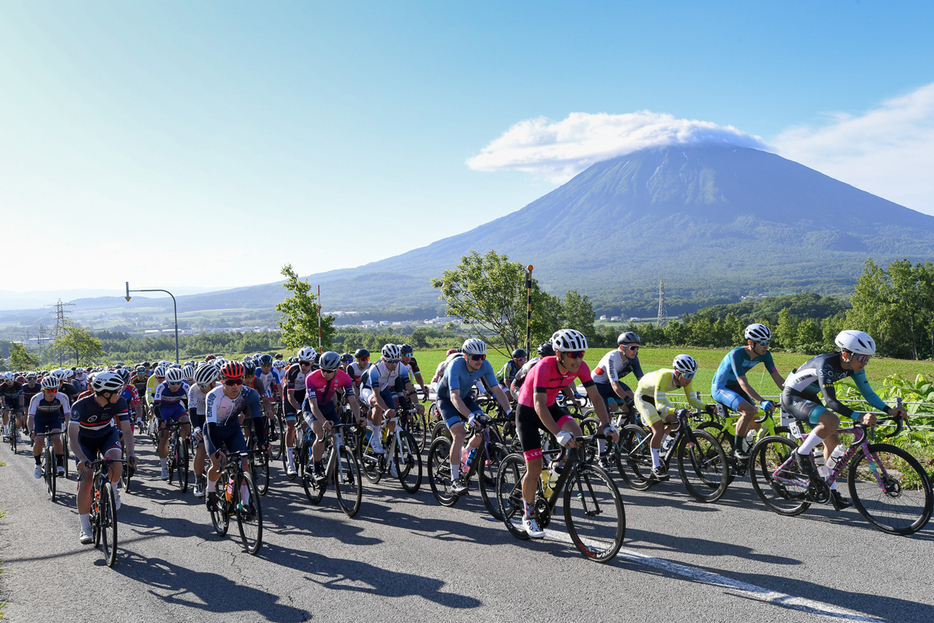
(537, 408)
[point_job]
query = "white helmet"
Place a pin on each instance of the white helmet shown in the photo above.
(60, 373)
(685, 364)
(473, 346)
(391, 351)
(49, 382)
(307, 354)
(189, 371)
(174, 375)
(568, 340)
(107, 382)
(159, 372)
(206, 374)
(856, 342)
(758, 332)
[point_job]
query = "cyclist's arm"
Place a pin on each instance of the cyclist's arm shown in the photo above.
(540, 400)
(829, 394)
(599, 406)
(459, 403)
(501, 398)
(869, 394)
(746, 387)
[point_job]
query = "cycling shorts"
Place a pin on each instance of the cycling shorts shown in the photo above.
(369, 397)
(92, 446)
(645, 405)
(328, 410)
(731, 396)
(288, 411)
(13, 404)
(229, 437)
(47, 423)
(528, 424)
(451, 415)
(609, 396)
(164, 423)
(803, 406)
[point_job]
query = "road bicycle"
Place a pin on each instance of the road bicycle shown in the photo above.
(400, 458)
(485, 463)
(259, 460)
(340, 469)
(702, 464)
(104, 509)
(593, 508)
(179, 451)
(888, 486)
(723, 427)
(12, 432)
(232, 485)
(275, 432)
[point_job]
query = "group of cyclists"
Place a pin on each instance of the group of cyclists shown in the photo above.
(219, 404)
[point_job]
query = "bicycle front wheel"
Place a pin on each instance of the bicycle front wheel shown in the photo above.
(181, 464)
(370, 461)
(702, 466)
(347, 484)
(890, 489)
(220, 516)
(775, 476)
(439, 471)
(635, 457)
(108, 523)
(490, 458)
(593, 510)
(50, 470)
(509, 494)
(260, 465)
(249, 515)
(408, 461)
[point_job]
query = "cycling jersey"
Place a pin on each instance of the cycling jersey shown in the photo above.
(168, 403)
(546, 377)
(11, 394)
(323, 390)
(614, 366)
(457, 375)
(357, 372)
(221, 410)
(653, 392)
(59, 405)
(196, 404)
(151, 384)
(266, 381)
(523, 372)
(379, 377)
(508, 372)
(816, 378)
(736, 364)
(295, 382)
(131, 396)
(29, 391)
(94, 420)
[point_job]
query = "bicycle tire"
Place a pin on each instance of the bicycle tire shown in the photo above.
(594, 513)
(295, 457)
(509, 494)
(347, 482)
(107, 518)
(276, 449)
(418, 426)
(487, 469)
(50, 471)
(66, 451)
(898, 500)
(439, 471)
(788, 495)
(125, 472)
(260, 468)
(702, 466)
(249, 516)
(220, 516)
(313, 491)
(13, 432)
(408, 461)
(181, 464)
(635, 457)
(370, 461)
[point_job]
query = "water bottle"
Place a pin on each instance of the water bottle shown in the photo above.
(229, 492)
(821, 466)
(546, 481)
(835, 456)
(666, 442)
(470, 457)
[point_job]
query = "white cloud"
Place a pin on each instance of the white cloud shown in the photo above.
(559, 150)
(888, 151)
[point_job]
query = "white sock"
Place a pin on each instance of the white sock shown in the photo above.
(455, 471)
(288, 454)
(85, 522)
(656, 458)
(809, 444)
(244, 494)
(164, 463)
(212, 485)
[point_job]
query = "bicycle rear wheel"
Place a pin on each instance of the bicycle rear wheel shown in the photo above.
(50, 471)
(13, 432)
(125, 476)
(276, 446)
(775, 476)
(593, 510)
(181, 464)
(702, 466)
(369, 460)
(347, 484)
(509, 494)
(491, 457)
(418, 426)
(66, 451)
(220, 516)
(890, 489)
(439, 471)
(249, 516)
(635, 457)
(260, 466)
(408, 461)
(107, 518)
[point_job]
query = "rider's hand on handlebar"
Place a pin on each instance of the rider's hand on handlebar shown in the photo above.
(869, 419)
(566, 439)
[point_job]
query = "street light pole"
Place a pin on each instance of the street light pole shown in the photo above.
(174, 306)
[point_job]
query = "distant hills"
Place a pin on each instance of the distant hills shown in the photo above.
(715, 222)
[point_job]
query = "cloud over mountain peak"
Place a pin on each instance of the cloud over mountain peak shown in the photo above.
(559, 150)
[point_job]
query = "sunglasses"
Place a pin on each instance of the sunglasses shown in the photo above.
(174, 384)
(232, 382)
(634, 347)
(575, 354)
(764, 342)
(329, 372)
(863, 359)
(304, 363)
(521, 358)
(204, 385)
(50, 391)
(477, 357)
(687, 376)
(392, 361)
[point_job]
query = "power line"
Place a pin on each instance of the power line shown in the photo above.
(662, 310)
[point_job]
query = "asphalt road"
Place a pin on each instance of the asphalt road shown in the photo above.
(406, 558)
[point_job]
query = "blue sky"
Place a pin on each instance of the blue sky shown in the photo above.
(182, 145)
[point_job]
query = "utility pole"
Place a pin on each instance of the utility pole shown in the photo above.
(662, 310)
(60, 323)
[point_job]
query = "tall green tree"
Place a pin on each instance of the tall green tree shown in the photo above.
(20, 359)
(577, 313)
(299, 321)
(79, 342)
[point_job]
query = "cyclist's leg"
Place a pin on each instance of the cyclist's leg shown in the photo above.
(530, 439)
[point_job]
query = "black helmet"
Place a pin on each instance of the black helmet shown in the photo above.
(361, 353)
(406, 348)
(628, 338)
(546, 350)
(519, 354)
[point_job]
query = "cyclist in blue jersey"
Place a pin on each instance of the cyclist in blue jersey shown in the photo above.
(731, 388)
(808, 385)
(456, 405)
(168, 404)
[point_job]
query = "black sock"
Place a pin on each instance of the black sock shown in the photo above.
(60, 460)
(38, 458)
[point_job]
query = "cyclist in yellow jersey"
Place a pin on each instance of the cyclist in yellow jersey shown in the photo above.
(656, 411)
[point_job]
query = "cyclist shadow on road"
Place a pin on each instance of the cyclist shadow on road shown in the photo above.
(655, 543)
(349, 575)
(211, 593)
